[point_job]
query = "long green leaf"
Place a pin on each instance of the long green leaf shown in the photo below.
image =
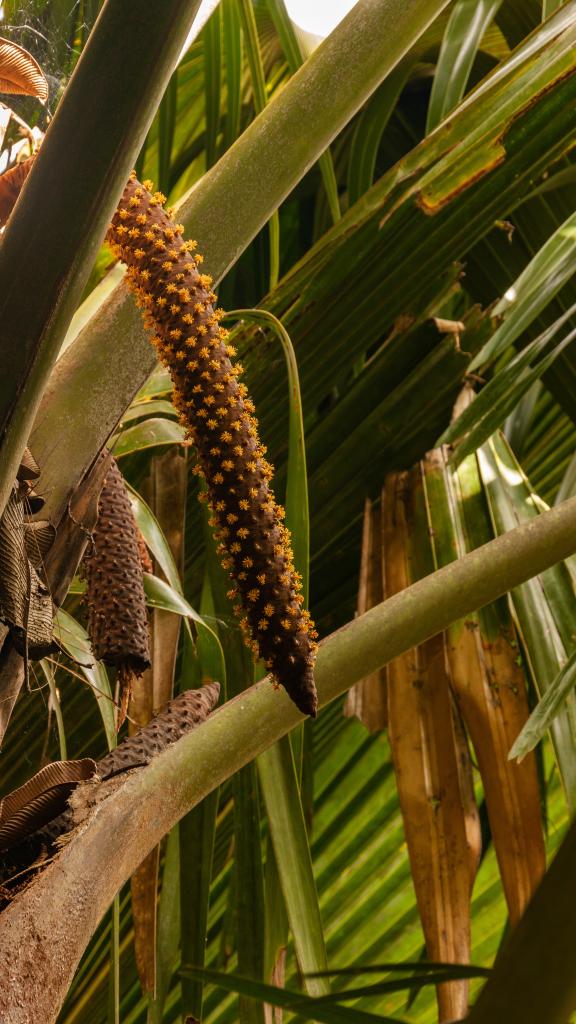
(504, 392)
(297, 515)
(289, 837)
(150, 433)
(434, 966)
(276, 767)
(370, 129)
(153, 535)
(46, 668)
(539, 282)
(232, 37)
(168, 931)
(76, 643)
(166, 128)
(306, 1008)
(466, 27)
(546, 710)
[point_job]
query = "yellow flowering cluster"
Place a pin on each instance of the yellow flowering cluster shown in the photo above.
(254, 545)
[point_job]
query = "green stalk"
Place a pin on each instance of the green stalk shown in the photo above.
(82, 167)
(168, 937)
(48, 671)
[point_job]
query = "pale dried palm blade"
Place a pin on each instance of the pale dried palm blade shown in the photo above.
(438, 522)
(25, 602)
(367, 700)
(40, 799)
(20, 73)
(421, 732)
(490, 687)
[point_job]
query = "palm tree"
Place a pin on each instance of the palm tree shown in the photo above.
(386, 220)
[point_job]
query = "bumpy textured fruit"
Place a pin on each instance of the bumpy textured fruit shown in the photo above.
(218, 415)
(117, 617)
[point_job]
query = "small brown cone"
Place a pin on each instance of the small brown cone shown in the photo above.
(117, 617)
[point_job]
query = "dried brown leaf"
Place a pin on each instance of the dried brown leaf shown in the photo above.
(20, 73)
(428, 766)
(491, 692)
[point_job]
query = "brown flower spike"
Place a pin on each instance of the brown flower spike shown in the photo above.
(117, 616)
(218, 415)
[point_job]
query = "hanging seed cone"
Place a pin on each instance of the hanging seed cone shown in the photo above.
(19, 72)
(427, 759)
(117, 617)
(215, 408)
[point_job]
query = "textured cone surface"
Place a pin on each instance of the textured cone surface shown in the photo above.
(11, 183)
(117, 618)
(186, 711)
(214, 407)
(19, 72)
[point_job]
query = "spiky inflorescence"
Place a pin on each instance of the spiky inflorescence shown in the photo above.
(117, 617)
(218, 415)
